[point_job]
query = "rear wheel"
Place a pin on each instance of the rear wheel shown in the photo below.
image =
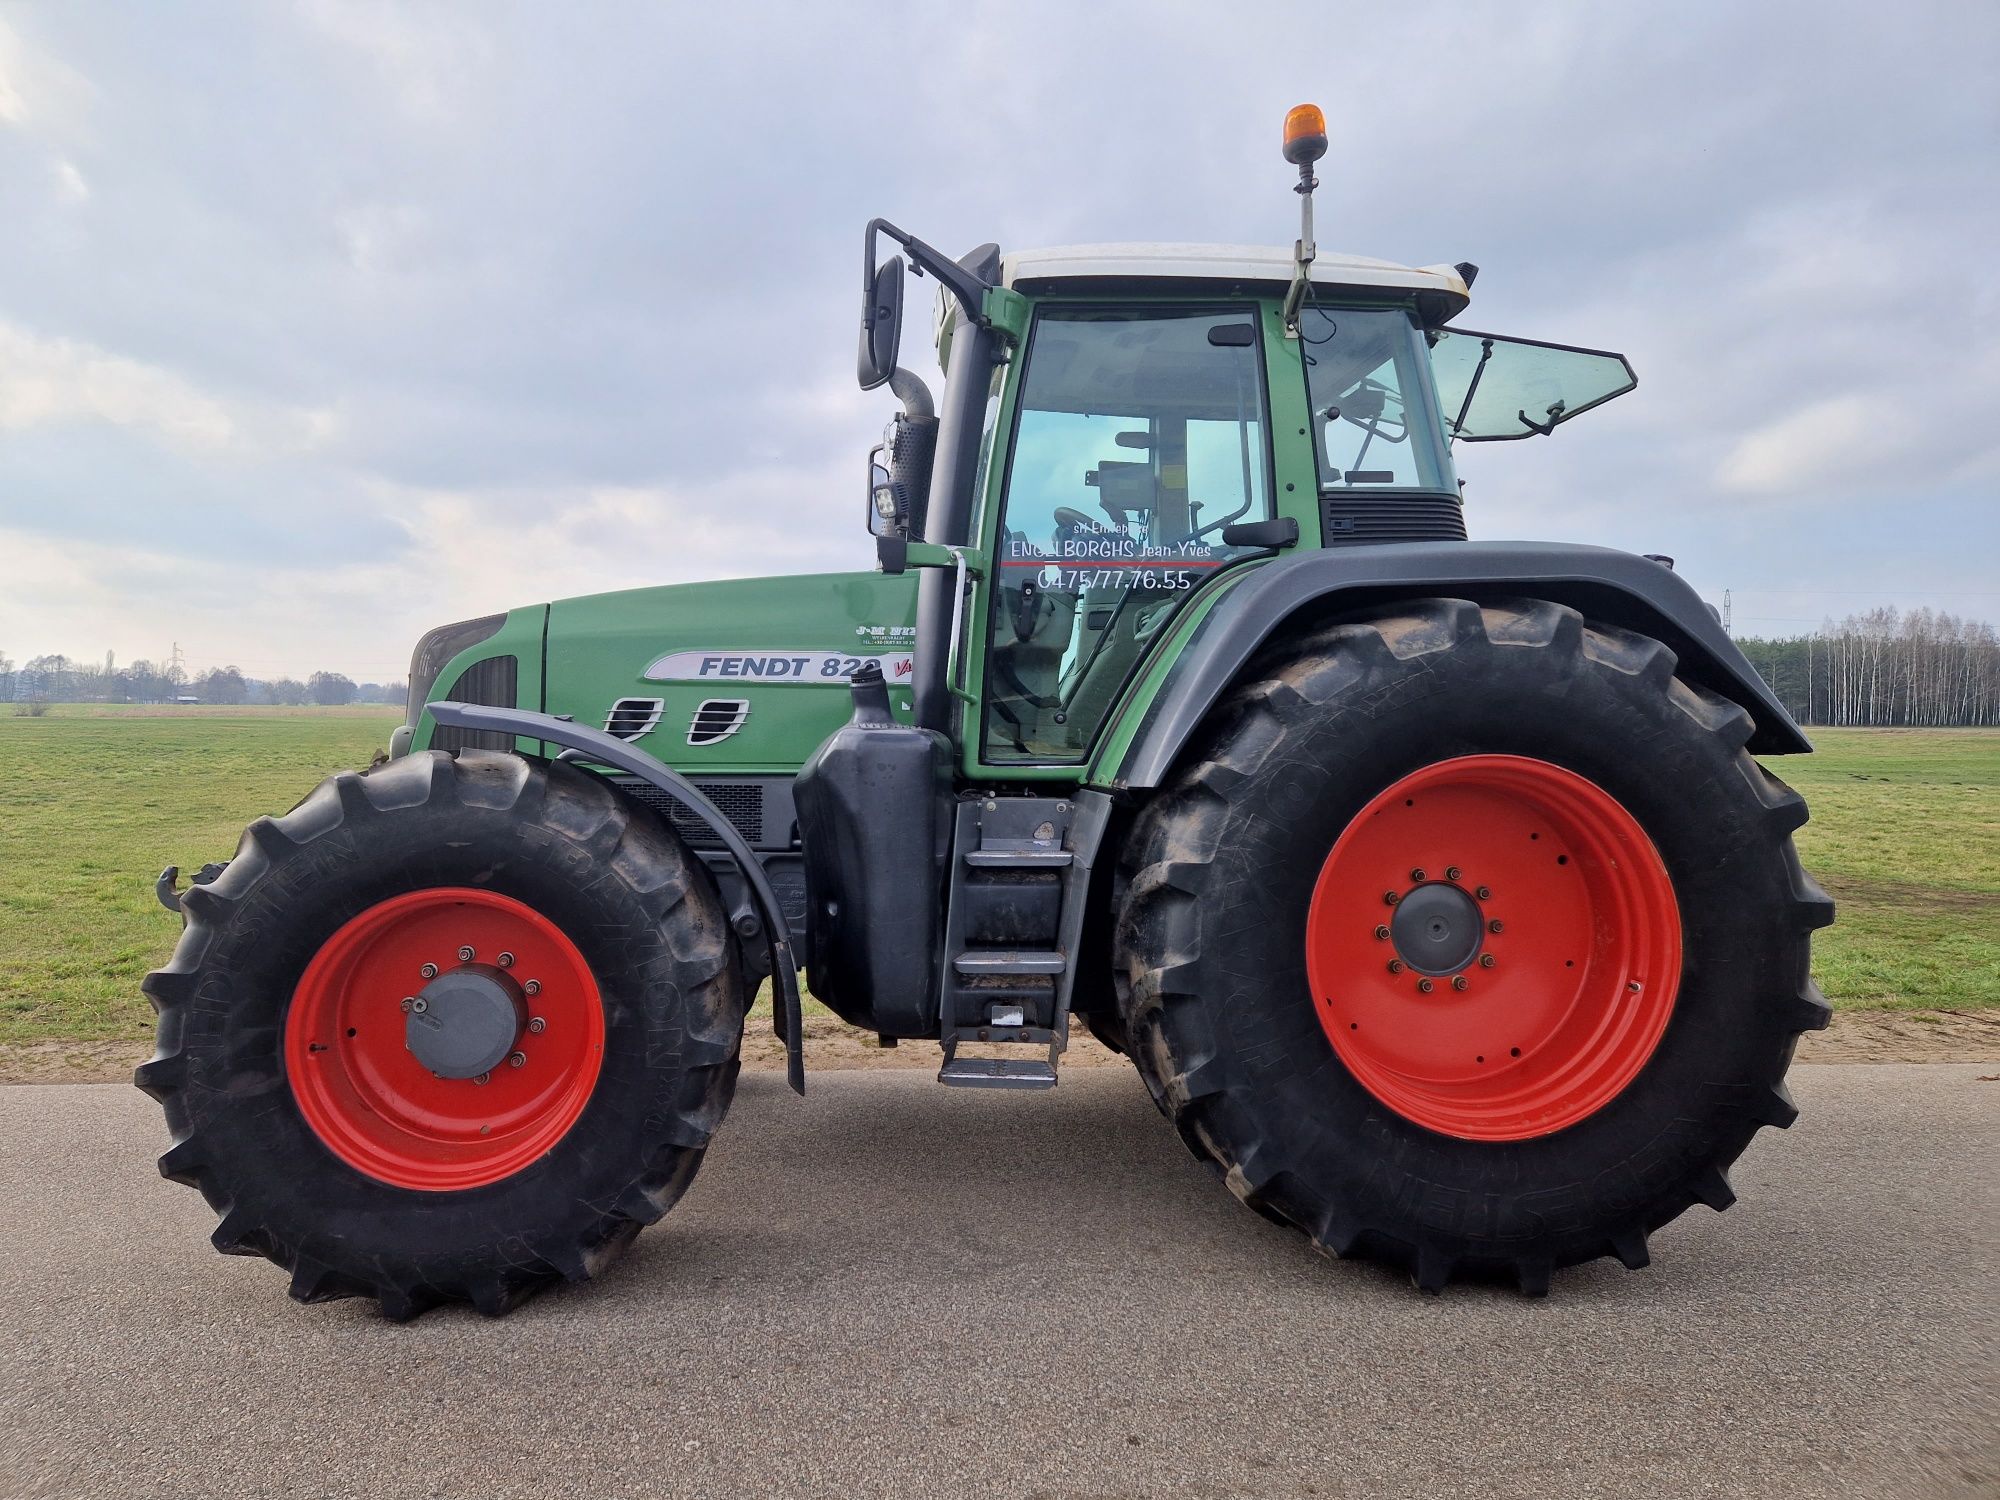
(1471, 939)
(454, 1029)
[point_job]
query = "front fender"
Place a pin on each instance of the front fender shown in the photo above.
(1617, 588)
(596, 746)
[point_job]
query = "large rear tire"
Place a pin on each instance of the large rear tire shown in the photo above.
(583, 958)
(1472, 940)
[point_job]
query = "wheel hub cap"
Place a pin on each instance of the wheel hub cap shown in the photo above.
(1437, 929)
(470, 1019)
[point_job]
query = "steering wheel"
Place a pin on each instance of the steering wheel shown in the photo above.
(1065, 516)
(1371, 399)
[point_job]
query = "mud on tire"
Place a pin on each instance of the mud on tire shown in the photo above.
(1220, 870)
(642, 912)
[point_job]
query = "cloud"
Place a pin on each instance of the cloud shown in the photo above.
(70, 182)
(36, 89)
(368, 315)
(1831, 440)
(462, 553)
(420, 58)
(48, 381)
(13, 107)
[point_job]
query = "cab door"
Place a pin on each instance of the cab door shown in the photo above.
(1139, 433)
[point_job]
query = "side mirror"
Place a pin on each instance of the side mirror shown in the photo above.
(881, 324)
(885, 517)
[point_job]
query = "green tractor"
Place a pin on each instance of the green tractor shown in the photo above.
(1429, 883)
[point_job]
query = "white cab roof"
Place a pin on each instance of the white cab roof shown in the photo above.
(1251, 263)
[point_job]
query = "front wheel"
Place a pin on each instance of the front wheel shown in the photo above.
(1471, 939)
(451, 1030)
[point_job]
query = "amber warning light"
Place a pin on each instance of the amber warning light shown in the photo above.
(1305, 143)
(1305, 135)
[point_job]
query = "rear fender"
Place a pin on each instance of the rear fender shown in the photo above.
(1616, 588)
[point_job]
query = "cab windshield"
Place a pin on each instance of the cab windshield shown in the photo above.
(1375, 423)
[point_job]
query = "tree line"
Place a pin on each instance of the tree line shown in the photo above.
(60, 679)
(1886, 668)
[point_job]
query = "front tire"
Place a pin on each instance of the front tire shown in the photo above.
(480, 1162)
(1470, 1093)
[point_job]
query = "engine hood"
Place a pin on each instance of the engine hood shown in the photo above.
(742, 676)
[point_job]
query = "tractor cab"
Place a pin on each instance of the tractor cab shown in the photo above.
(1124, 426)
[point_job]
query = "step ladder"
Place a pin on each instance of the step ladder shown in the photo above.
(1020, 875)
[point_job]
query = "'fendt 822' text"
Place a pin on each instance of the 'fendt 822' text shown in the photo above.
(1429, 883)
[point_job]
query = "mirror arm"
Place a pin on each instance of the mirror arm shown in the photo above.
(954, 278)
(899, 554)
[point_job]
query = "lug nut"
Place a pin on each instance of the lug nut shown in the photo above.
(1424, 986)
(409, 1002)
(1484, 893)
(1494, 925)
(1451, 872)
(533, 987)
(1395, 966)
(429, 971)
(505, 960)
(1390, 898)
(1460, 982)
(465, 955)
(1486, 960)
(1381, 930)
(515, 1059)
(1417, 874)
(1634, 986)
(417, 1003)
(536, 1025)
(483, 1078)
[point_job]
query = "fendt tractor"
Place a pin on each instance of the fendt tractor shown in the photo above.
(1429, 883)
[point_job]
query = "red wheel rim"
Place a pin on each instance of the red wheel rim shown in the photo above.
(384, 1113)
(1570, 980)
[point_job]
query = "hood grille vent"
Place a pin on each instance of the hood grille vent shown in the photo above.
(631, 717)
(717, 719)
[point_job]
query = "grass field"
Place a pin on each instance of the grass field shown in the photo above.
(1905, 834)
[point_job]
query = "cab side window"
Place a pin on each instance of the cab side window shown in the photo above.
(1364, 374)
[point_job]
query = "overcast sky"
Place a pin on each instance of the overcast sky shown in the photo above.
(322, 323)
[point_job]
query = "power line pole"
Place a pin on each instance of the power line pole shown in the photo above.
(1725, 611)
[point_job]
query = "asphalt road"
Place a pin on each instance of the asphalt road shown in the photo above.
(891, 1288)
